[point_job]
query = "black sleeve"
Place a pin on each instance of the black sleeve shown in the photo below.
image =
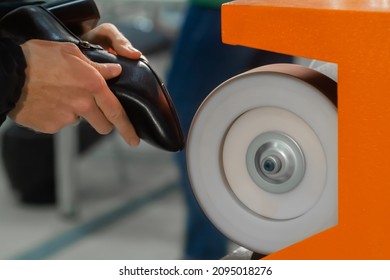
(12, 75)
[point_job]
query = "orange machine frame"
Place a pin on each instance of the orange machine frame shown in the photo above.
(355, 35)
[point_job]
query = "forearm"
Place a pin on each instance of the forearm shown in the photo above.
(12, 76)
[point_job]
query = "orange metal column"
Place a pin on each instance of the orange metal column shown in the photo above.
(356, 36)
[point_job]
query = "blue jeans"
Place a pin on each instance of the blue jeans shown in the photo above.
(200, 63)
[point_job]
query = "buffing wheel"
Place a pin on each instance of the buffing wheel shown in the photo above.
(262, 156)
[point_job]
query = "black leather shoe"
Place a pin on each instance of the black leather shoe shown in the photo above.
(79, 16)
(138, 88)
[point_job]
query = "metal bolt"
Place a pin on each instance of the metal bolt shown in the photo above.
(271, 165)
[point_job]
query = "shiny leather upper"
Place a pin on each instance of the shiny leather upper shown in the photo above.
(138, 88)
(79, 16)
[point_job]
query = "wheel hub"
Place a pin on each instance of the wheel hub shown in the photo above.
(275, 162)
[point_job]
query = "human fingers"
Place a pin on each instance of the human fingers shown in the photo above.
(90, 111)
(114, 112)
(87, 107)
(105, 100)
(107, 70)
(109, 36)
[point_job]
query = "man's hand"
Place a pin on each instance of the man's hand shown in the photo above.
(111, 39)
(63, 85)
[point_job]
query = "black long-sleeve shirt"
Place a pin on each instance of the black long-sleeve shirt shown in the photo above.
(12, 65)
(12, 76)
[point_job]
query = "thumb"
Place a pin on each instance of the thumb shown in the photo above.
(108, 70)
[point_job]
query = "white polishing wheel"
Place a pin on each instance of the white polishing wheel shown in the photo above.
(262, 156)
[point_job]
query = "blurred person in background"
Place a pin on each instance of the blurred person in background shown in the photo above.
(200, 63)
